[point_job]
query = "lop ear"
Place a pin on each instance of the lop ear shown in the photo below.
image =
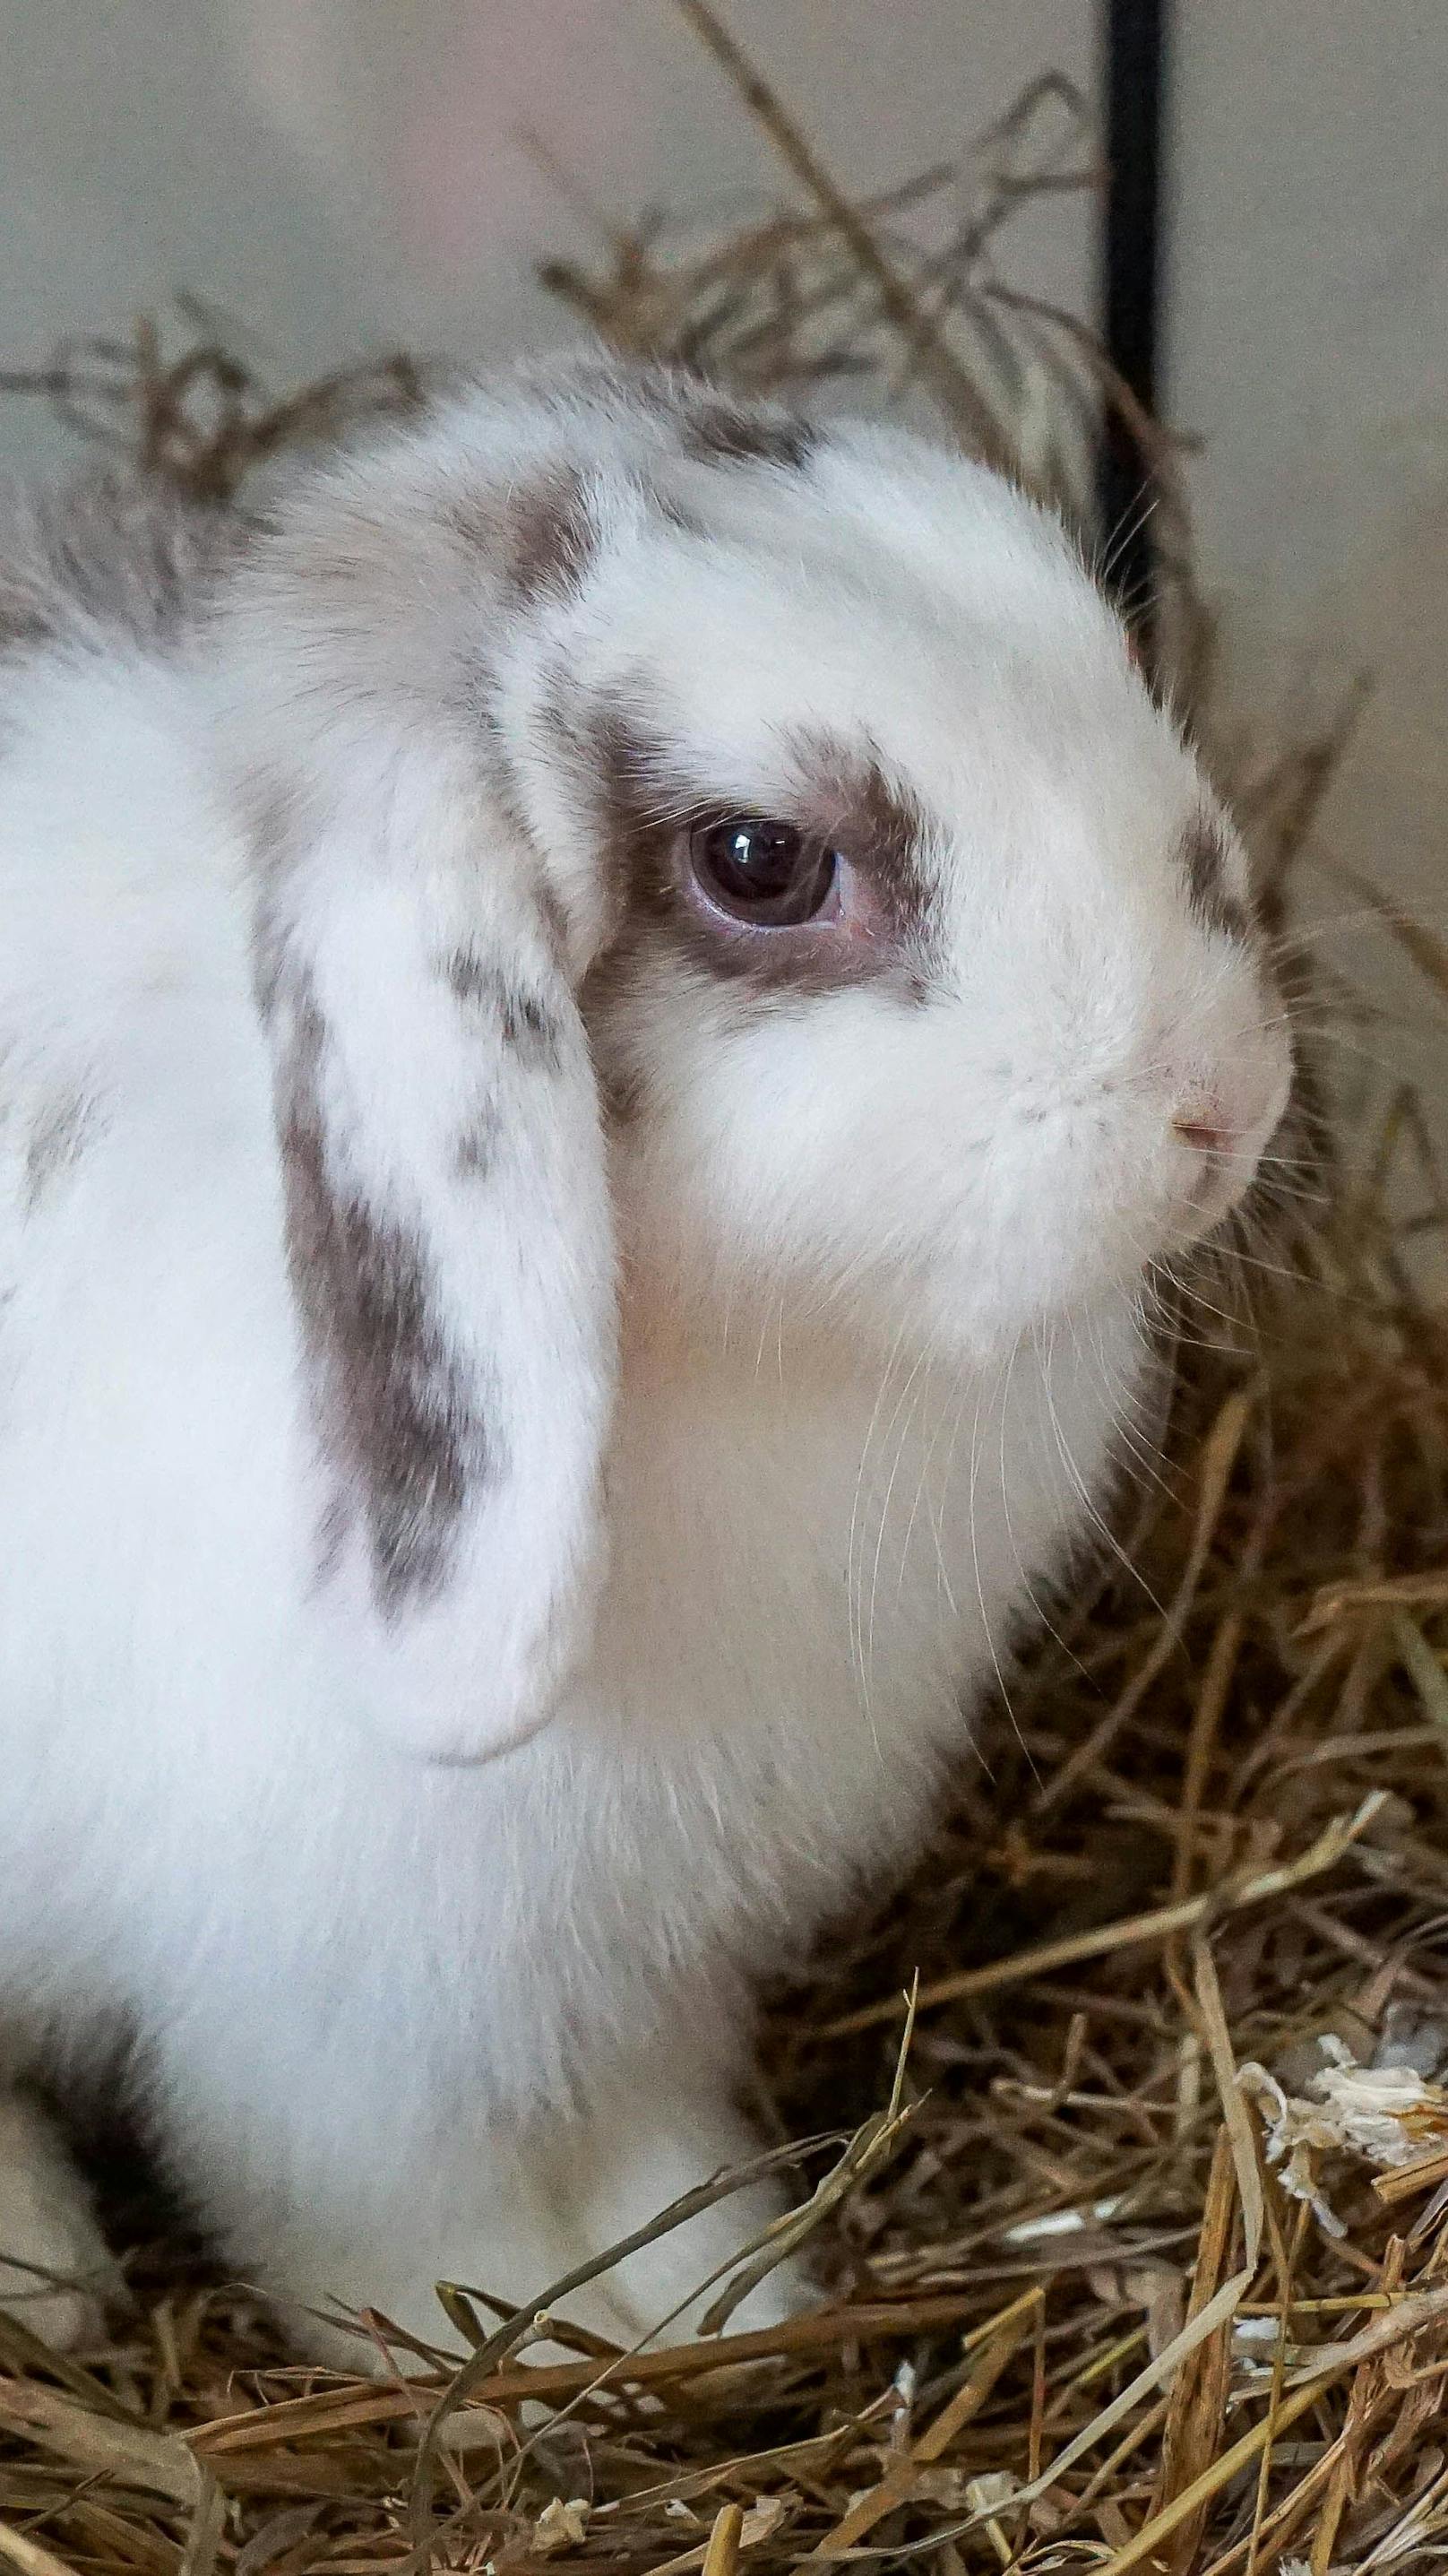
(450, 1244)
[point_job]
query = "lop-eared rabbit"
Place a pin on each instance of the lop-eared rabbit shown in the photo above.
(603, 1017)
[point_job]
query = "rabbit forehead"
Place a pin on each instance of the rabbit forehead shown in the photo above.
(1011, 728)
(898, 512)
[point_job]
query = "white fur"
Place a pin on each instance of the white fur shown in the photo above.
(755, 1521)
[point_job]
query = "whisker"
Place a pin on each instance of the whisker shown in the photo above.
(1089, 1507)
(852, 1588)
(974, 1526)
(900, 1448)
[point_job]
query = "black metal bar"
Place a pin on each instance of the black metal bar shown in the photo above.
(1134, 45)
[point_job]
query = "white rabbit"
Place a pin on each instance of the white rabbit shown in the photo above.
(598, 1032)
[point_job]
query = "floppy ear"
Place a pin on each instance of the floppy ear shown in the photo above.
(450, 1244)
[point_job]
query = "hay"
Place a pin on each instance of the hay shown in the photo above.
(1145, 2261)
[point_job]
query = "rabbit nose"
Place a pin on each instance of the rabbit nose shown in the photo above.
(1207, 1134)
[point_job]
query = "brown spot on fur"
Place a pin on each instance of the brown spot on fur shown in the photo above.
(726, 433)
(56, 1144)
(1204, 863)
(477, 1146)
(548, 534)
(716, 428)
(523, 1017)
(392, 1404)
(25, 624)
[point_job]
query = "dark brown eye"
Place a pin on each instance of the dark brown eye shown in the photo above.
(764, 872)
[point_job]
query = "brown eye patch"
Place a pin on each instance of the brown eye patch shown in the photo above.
(842, 802)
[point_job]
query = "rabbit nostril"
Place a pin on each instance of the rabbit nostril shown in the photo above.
(1205, 1135)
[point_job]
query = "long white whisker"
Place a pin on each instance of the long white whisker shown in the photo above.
(1088, 1502)
(974, 1527)
(900, 1448)
(852, 1584)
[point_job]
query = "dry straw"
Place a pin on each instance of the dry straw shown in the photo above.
(1131, 2271)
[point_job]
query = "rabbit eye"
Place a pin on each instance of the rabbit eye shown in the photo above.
(764, 872)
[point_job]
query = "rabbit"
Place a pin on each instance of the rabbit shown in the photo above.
(605, 1009)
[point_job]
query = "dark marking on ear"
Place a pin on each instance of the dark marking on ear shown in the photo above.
(333, 1527)
(1204, 864)
(523, 1016)
(477, 1145)
(548, 535)
(392, 1404)
(25, 624)
(470, 979)
(56, 1144)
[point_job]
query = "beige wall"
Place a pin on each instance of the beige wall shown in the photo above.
(346, 172)
(1309, 345)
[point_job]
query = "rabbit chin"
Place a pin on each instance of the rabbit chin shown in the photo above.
(811, 1292)
(979, 1304)
(837, 1320)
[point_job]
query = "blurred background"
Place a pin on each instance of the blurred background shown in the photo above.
(336, 177)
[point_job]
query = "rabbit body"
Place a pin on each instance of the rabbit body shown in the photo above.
(423, 1801)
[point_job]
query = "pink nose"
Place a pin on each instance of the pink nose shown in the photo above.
(1207, 1135)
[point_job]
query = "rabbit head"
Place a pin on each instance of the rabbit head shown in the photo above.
(675, 823)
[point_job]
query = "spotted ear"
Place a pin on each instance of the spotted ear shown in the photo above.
(450, 1247)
